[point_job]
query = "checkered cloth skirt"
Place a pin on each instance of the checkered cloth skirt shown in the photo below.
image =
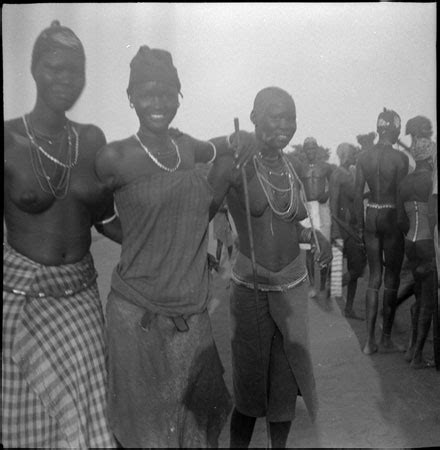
(53, 360)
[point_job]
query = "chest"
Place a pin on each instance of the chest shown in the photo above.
(314, 171)
(264, 190)
(32, 178)
(138, 162)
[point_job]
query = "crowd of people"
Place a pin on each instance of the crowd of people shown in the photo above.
(146, 373)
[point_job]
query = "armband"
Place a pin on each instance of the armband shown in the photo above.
(215, 152)
(108, 220)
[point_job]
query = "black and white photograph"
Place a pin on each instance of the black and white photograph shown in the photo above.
(220, 225)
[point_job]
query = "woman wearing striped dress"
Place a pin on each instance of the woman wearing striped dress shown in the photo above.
(53, 359)
(166, 378)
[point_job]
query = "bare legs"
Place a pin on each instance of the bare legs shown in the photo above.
(242, 427)
(371, 303)
(385, 250)
(389, 311)
(310, 264)
(351, 284)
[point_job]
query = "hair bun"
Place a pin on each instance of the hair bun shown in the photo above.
(55, 23)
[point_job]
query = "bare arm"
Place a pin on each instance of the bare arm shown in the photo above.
(402, 218)
(359, 196)
(334, 189)
(109, 224)
(220, 178)
(226, 167)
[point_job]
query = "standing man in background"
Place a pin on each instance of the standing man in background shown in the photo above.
(315, 178)
(382, 168)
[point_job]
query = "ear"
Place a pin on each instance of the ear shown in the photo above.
(252, 117)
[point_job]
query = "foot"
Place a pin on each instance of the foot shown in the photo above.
(388, 346)
(352, 315)
(312, 292)
(409, 354)
(422, 364)
(370, 348)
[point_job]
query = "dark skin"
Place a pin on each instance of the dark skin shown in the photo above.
(272, 250)
(46, 229)
(341, 206)
(381, 168)
(276, 242)
(416, 187)
(315, 175)
(121, 162)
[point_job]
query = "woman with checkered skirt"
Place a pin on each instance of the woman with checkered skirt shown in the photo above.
(53, 358)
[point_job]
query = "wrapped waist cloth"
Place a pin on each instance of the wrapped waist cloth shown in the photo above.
(53, 361)
(166, 383)
(275, 347)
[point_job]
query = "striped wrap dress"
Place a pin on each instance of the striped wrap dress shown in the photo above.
(166, 378)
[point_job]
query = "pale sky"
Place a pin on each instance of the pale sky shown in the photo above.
(341, 62)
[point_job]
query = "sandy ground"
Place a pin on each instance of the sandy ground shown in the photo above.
(373, 401)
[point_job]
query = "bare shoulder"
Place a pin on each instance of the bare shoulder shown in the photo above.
(330, 167)
(186, 142)
(112, 153)
(90, 135)
(12, 129)
(337, 175)
(402, 156)
(363, 156)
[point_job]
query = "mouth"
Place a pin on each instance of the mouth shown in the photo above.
(157, 116)
(63, 94)
(283, 137)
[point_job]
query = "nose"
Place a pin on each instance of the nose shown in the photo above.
(64, 77)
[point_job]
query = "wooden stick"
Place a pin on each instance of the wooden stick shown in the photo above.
(254, 271)
(248, 215)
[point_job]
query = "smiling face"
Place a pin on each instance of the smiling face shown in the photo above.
(156, 105)
(60, 78)
(275, 121)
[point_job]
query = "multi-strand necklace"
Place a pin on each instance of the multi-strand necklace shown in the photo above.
(283, 201)
(155, 160)
(59, 188)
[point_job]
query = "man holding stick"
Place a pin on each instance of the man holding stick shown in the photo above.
(270, 345)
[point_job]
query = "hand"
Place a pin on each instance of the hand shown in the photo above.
(323, 197)
(213, 264)
(324, 256)
(244, 149)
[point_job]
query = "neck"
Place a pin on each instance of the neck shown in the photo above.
(385, 140)
(157, 137)
(267, 152)
(46, 120)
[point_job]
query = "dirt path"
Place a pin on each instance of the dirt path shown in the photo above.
(365, 401)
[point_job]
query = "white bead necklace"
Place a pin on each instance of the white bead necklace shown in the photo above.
(155, 160)
(48, 155)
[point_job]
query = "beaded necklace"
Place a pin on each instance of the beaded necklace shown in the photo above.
(70, 130)
(155, 160)
(60, 189)
(275, 195)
